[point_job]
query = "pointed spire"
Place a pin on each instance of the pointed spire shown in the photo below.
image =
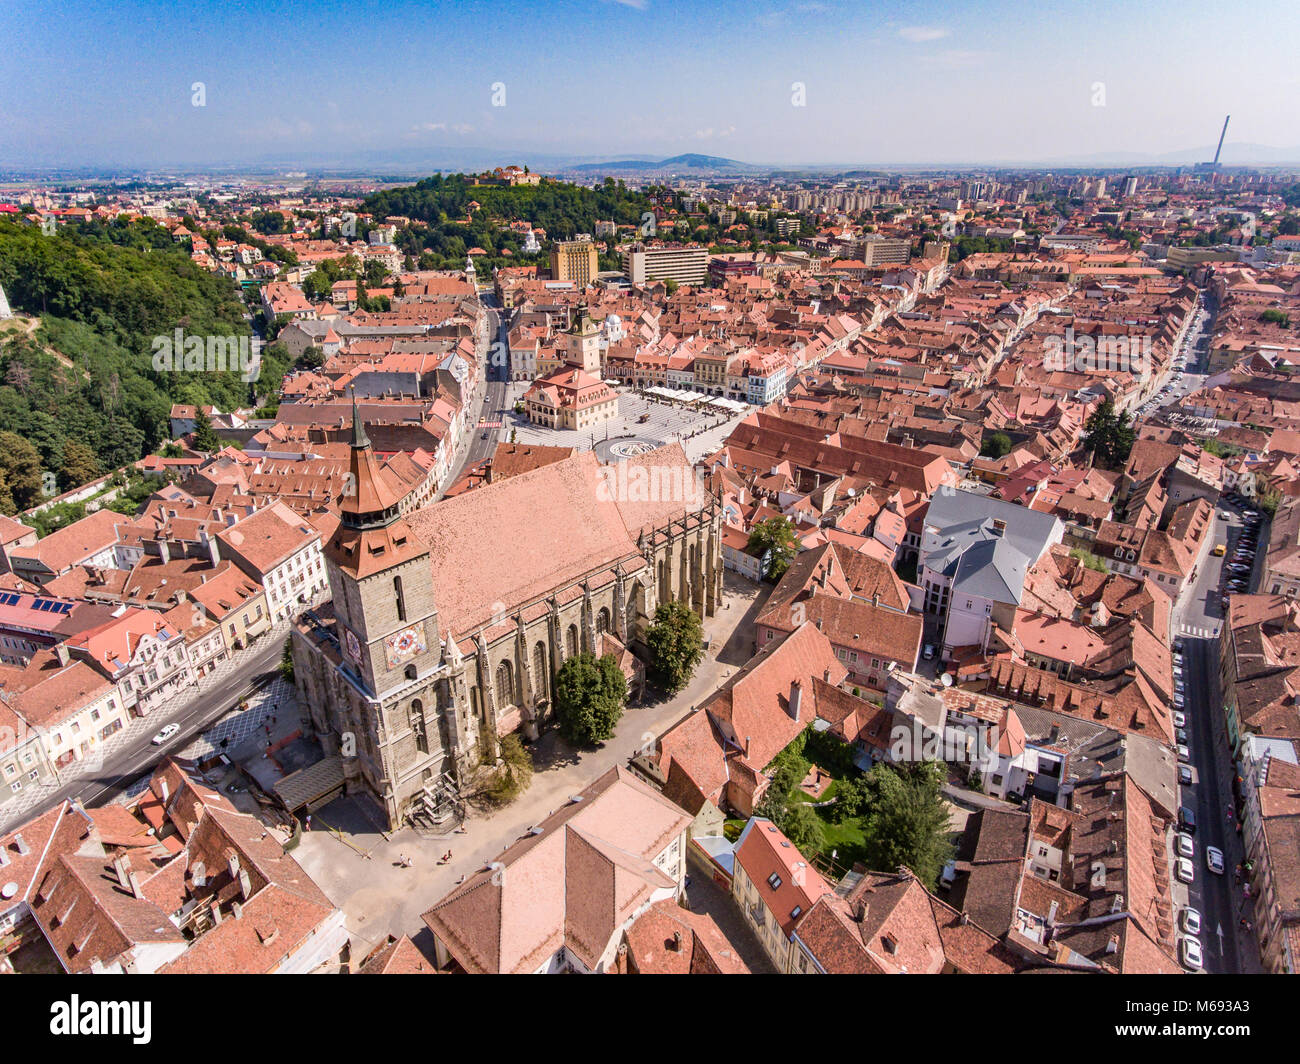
(359, 437)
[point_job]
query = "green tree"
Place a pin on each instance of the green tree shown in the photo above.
(1109, 436)
(79, 465)
(996, 446)
(676, 642)
(776, 535)
(20, 473)
(205, 436)
(286, 661)
(590, 694)
(851, 798)
(516, 771)
(906, 822)
(312, 358)
(803, 827)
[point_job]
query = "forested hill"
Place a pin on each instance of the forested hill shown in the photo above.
(439, 206)
(102, 293)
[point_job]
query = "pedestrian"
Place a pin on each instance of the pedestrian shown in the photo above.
(307, 823)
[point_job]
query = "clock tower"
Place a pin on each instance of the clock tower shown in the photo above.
(380, 575)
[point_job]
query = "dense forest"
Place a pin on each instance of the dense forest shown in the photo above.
(81, 388)
(439, 206)
(440, 238)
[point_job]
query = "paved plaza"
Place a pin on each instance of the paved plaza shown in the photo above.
(699, 432)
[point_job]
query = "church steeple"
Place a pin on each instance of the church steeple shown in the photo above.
(359, 437)
(369, 500)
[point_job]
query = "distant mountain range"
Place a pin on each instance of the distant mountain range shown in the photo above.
(400, 163)
(677, 162)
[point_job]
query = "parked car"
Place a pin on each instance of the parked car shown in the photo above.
(1184, 754)
(1184, 775)
(928, 652)
(1185, 870)
(1187, 819)
(1192, 922)
(1214, 859)
(1180, 719)
(1181, 735)
(168, 731)
(1193, 961)
(1186, 847)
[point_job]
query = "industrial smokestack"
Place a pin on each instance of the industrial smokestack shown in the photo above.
(1224, 133)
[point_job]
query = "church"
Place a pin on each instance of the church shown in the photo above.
(449, 622)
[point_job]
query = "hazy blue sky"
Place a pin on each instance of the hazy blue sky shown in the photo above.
(110, 82)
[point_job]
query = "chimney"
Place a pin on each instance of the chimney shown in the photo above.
(20, 844)
(61, 652)
(199, 873)
(166, 791)
(122, 869)
(236, 910)
(677, 942)
(747, 746)
(796, 697)
(216, 912)
(245, 884)
(1055, 734)
(134, 880)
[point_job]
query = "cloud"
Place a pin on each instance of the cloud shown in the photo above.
(709, 133)
(920, 34)
(640, 5)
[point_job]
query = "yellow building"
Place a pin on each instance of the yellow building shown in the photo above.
(574, 260)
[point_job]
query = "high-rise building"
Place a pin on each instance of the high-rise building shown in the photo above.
(574, 260)
(682, 264)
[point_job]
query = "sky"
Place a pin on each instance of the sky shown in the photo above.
(781, 82)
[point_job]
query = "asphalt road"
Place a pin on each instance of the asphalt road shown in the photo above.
(1218, 898)
(494, 400)
(128, 765)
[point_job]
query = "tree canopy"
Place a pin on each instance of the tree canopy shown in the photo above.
(775, 534)
(1109, 436)
(676, 641)
(590, 693)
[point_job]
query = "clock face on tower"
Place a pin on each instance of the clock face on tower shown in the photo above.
(404, 645)
(353, 645)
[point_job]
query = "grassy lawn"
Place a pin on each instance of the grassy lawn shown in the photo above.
(844, 839)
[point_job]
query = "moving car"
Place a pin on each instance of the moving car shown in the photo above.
(1185, 870)
(1214, 859)
(167, 732)
(1192, 958)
